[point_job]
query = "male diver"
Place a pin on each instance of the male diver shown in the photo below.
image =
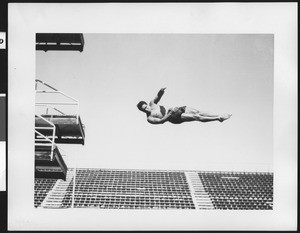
(157, 114)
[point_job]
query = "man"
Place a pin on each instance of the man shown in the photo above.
(157, 114)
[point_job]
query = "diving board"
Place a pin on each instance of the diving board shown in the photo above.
(69, 128)
(45, 167)
(60, 41)
(60, 110)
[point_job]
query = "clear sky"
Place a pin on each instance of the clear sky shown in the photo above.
(217, 73)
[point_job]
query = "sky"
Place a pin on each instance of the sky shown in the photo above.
(217, 73)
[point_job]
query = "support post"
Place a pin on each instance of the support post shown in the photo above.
(73, 193)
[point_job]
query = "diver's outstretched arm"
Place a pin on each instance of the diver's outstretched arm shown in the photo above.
(159, 95)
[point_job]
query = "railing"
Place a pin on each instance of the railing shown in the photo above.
(44, 140)
(50, 107)
(48, 104)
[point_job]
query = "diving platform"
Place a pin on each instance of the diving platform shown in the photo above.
(59, 41)
(49, 164)
(68, 128)
(57, 121)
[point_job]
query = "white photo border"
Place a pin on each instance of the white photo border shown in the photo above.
(26, 19)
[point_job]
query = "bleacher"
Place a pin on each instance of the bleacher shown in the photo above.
(148, 189)
(239, 190)
(120, 189)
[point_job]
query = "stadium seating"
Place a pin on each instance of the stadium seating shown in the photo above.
(147, 189)
(239, 190)
(130, 189)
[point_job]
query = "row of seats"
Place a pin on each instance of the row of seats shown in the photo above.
(133, 185)
(129, 206)
(130, 198)
(131, 181)
(138, 188)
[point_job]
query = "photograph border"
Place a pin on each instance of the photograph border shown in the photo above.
(26, 19)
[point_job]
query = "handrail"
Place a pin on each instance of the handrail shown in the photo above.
(56, 103)
(37, 80)
(49, 106)
(55, 91)
(52, 127)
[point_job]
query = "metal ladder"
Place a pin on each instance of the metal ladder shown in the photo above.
(45, 141)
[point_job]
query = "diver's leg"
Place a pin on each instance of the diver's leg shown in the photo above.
(190, 110)
(191, 113)
(198, 117)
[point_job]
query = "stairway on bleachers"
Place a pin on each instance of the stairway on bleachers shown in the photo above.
(200, 196)
(56, 195)
(42, 187)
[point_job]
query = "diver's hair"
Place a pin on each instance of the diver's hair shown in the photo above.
(140, 104)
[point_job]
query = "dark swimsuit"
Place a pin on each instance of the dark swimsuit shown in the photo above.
(175, 118)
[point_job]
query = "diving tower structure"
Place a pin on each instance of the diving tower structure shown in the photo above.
(60, 41)
(57, 121)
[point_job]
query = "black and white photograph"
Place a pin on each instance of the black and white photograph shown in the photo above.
(154, 126)
(131, 153)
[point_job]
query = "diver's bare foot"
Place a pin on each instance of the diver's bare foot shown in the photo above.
(225, 117)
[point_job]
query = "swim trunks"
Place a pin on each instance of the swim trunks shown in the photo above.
(175, 118)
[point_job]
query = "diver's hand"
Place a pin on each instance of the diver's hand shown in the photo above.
(175, 109)
(172, 110)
